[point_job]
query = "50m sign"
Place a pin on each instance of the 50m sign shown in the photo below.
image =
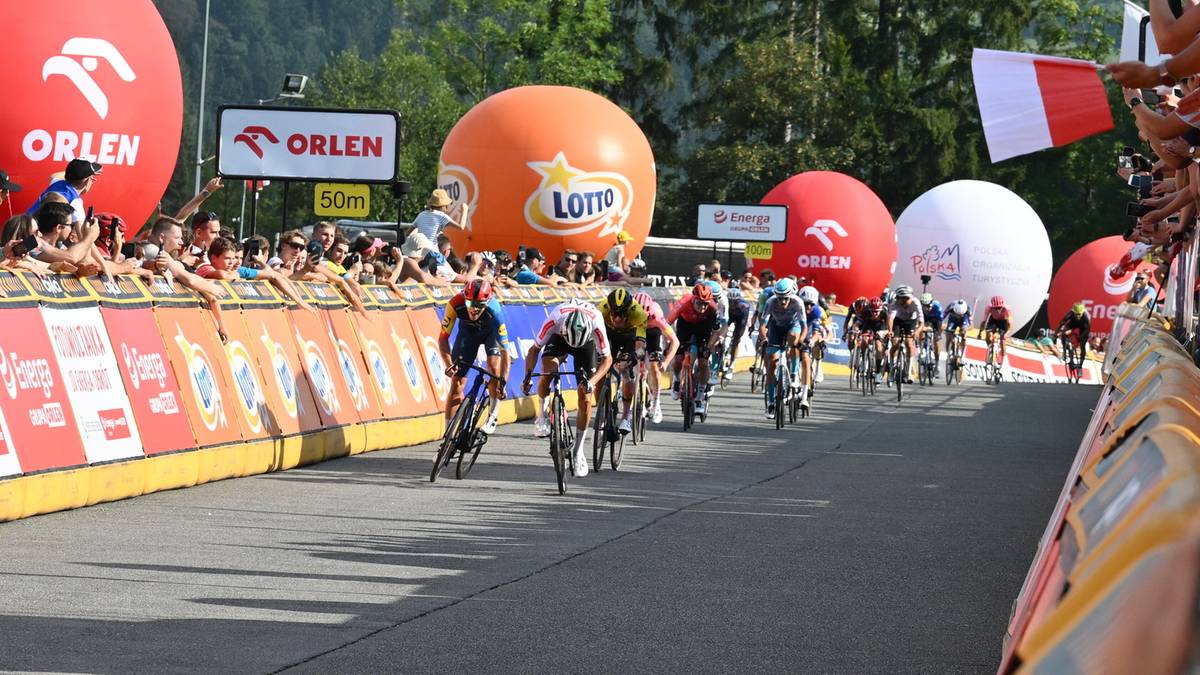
(352, 200)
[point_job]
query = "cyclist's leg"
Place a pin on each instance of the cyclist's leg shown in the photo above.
(466, 345)
(495, 392)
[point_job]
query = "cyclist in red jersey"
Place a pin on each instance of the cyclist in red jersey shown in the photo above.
(695, 320)
(996, 317)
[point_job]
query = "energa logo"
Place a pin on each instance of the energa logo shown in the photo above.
(570, 200)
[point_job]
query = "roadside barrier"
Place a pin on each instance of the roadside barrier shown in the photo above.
(121, 388)
(1113, 584)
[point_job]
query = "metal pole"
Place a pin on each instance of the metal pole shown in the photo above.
(242, 213)
(203, 76)
(283, 220)
(253, 207)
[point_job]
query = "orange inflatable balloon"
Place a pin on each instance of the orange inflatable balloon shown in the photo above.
(549, 167)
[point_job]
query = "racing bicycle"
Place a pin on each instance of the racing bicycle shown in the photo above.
(605, 430)
(562, 434)
(900, 357)
(1072, 358)
(688, 377)
(954, 358)
(463, 437)
(992, 365)
(926, 358)
(758, 370)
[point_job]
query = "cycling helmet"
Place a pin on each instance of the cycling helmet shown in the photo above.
(875, 305)
(1078, 309)
(927, 298)
(717, 289)
(576, 329)
(702, 292)
(489, 258)
(903, 292)
(886, 295)
(619, 302)
(996, 301)
(643, 298)
(959, 307)
(785, 287)
(810, 295)
(478, 291)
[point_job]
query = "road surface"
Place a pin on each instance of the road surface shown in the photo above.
(871, 538)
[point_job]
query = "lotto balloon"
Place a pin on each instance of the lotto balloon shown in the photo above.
(840, 235)
(1084, 277)
(95, 80)
(549, 167)
(975, 240)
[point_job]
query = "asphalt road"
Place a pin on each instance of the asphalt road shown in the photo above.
(871, 538)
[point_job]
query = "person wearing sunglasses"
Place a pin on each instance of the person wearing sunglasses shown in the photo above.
(480, 320)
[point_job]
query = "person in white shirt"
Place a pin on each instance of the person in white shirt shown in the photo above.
(429, 223)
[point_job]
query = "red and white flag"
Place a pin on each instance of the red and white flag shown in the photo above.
(1030, 102)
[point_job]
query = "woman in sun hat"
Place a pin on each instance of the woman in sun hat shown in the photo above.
(430, 222)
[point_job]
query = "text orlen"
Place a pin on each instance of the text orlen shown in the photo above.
(824, 262)
(335, 146)
(63, 146)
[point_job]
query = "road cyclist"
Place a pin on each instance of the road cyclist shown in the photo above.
(958, 320)
(813, 338)
(997, 320)
(625, 323)
(934, 316)
(576, 329)
(1074, 330)
(695, 321)
(661, 345)
(905, 324)
(784, 325)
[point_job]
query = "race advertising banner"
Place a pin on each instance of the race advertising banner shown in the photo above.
(307, 144)
(426, 329)
(384, 365)
(41, 422)
(335, 403)
(201, 369)
(9, 464)
(742, 222)
(93, 381)
(289, 393)
(351, 364)
(416, 378)
(248, 393)
(149, 381)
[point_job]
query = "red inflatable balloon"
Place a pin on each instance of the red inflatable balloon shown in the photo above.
(840, 235)
(549, 167)
(96, 80)
(1084, 278)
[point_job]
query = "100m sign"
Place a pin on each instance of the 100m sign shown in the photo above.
(342, 199)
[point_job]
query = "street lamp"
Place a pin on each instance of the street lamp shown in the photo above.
(293, 87)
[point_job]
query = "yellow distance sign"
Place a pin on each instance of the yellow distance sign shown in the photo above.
(342, 199)
(759, 250)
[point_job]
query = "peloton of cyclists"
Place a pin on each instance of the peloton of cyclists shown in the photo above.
(480, 321)
(576, 329)
(1076, 326)
(695, 321)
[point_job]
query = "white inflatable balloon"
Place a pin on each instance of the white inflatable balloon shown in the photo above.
(976, 240)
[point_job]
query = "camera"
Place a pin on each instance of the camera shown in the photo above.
(315, 251)
(1136, 210)
(351, 260)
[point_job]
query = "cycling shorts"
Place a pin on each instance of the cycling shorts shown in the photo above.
(468, 342)
(777, 335)
(904, 327)
(654, 340)
(1000, 325)
(584, 357)
(935, 324)
(622, 342)
(695, 333)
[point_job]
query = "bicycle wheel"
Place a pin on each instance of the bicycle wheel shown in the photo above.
(781, 391)
(600, 424)
(477, 439)
(899, 373)
(450, 442)
(617, 445)
(686, 390)
(558, 442)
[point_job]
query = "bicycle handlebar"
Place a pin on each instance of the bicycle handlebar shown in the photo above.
(470, 366)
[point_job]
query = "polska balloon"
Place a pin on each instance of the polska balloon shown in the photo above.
(840, 236)
(975, 240)
(551, 168)
(95, 80)
(1086, 277)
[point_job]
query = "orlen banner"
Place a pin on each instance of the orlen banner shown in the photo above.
(976, 240)
(839, 235)
(1084, 277)
(307, 144)
(96, 80)
(549, 167)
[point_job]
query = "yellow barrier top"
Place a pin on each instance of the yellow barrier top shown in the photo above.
(58, 290)
(122, 291)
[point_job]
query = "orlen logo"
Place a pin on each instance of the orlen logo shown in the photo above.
(204, 382)
(381, 372)
(820, 230)
(319, 373)
(720, 217)
(241, 368)
(250, 135)
(78, 72)
(281, 369)
(572, 201)
(460, 184)
(412, 367)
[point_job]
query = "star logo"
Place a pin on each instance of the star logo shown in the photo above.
(569, 200)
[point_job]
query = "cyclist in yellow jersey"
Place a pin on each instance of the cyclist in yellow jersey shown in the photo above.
(625, 322)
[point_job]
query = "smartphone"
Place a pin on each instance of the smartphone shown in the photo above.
(91, 210)
(1136, 210)
(1124, 162)
(1128, 151)
(251, 248)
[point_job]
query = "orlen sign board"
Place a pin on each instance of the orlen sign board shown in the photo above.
(307, 144)
(96, 80)
(742, 222)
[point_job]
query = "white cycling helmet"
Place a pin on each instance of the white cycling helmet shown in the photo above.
(903, 292)
(576, 329)
(810, 295)
(959, 307)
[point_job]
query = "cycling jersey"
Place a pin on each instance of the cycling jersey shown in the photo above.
(956, 321)
(933, 313)
(776, 313)
(761, 309)
(685, 310)
(906, 313)
(739, 306)
(1082, 323)
(996, 318)
(488, 329)
(558, 317)
(815, 319)
(635, 320)
(722, 301)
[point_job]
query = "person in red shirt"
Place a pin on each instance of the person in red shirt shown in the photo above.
(996, 318)
(695, 320)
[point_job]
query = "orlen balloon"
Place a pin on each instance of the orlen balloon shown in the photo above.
(549, 167)
(1084, 277)
(97, 80)
(975, 240)
(840, 235)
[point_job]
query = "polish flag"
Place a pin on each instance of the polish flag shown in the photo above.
(1029, 102)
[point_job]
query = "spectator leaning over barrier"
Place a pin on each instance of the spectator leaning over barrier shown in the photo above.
(532, 268)
(222, 263)
(206, 227)
(310, 267)
(111, 237)
(567, 265)
(585, 269)
(78, 180)
(54, 228)
(291, 243)
(699, 273)
(436, 217)
(749, 282)
(336, 254)
(7, 187)
(325, 232)
(411, 268)
(618, 263)
(1142, 293)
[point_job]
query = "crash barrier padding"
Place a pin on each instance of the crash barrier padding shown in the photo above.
(1127, 519)
(123, 387)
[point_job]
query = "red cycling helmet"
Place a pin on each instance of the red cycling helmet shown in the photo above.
(997, 301)
(478, 290)
(702, 292)
(875, 305)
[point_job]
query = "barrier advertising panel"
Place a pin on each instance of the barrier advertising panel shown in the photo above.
(9, 464)
(283, 374)
(385, 369)
(352, 364)
(426, 328)
(334, 402)
(408, 349)
(93, 381)
(202, 370)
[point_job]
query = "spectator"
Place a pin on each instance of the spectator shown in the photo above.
(618, 263)
(7, 187)
(699, 273)
(206, 227)
(367, 247)
(1142, 294)
(766, 278)
(291, 243)
(567, 265)
(78, 180)
(714, 265)
(326, 232)
(1043, 338)
(419, 253)
(18, 228)
(111, 237)
(220, 260)
(532, 269)
(223, 263)
(428, 224)
(585, 274)
(336, 255)
(749, 281)
(54, 228)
